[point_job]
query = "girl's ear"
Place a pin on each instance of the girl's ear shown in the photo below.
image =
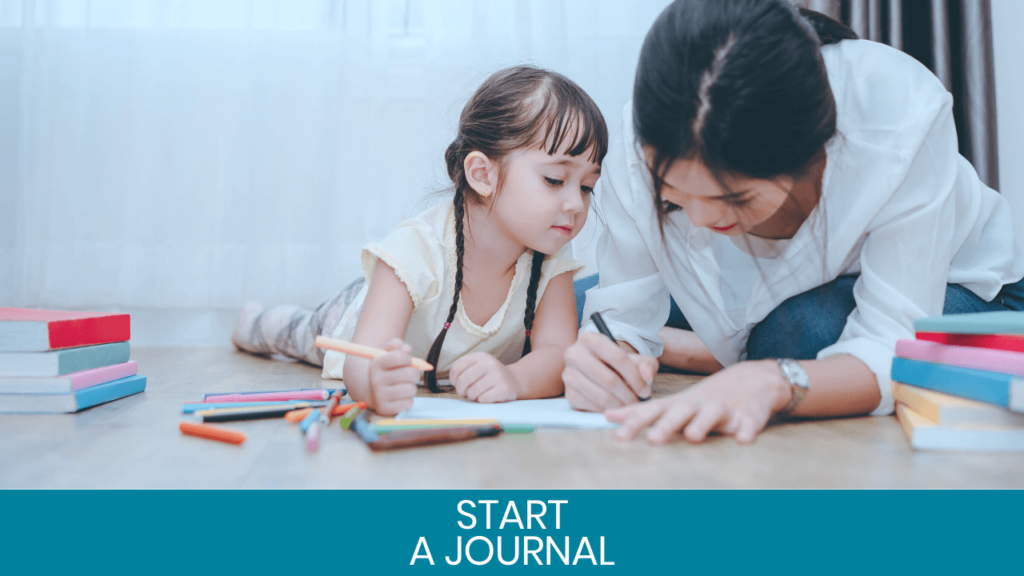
(481, 173)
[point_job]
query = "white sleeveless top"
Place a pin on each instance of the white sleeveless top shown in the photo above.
(422, 253)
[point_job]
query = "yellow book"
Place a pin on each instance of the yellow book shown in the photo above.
(948, 410)
(925, 434)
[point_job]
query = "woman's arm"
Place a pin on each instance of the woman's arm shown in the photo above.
(739, 400)
(387, 383)
(482, 378)
(684, 350)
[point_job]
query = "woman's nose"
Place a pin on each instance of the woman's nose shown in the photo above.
(702, 214)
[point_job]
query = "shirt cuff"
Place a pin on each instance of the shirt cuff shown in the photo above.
(622, 333)
(877, 357)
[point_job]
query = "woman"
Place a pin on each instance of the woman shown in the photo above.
(799, 194)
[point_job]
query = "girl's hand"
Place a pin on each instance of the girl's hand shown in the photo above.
(483, 378)
(736, 401)
(600, 375)
(393, 379)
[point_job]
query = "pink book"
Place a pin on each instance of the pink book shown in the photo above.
(271, 396)
(69, 382)
(1002, 361)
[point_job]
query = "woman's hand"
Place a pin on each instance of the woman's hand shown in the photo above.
(393, 379)
(599, 374)
(736, 401)
(483, 378)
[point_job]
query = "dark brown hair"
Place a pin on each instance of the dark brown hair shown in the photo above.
(516, 108)
(739, 85)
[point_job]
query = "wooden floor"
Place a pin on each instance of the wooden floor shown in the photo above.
(135, 443)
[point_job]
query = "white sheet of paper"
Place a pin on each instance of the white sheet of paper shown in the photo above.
(552, 412)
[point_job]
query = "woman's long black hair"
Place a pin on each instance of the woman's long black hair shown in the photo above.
(515, 108)
(739, 85)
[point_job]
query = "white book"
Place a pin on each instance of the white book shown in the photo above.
(925, 434)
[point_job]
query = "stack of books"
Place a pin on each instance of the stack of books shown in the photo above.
(960, 384)
(57, 362)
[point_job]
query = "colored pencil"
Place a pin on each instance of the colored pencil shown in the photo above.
(233, 414)
(410, 438)
(190, 407)
(364, 351)
(298, 415)
(270, 396)
(211, 432)
(329, 391)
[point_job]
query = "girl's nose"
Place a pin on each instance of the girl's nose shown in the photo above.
(575, 202)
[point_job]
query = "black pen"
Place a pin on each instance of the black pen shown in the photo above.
(603, 329)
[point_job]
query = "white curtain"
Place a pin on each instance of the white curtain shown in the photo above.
(177, 158)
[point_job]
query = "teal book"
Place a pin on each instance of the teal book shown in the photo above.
(73, 402)
(1003, 322)
(990, 387)
(61, 362)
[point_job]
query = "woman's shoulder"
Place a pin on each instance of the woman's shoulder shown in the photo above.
(883, 96)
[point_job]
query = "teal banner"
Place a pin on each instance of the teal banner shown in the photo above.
(501, 532)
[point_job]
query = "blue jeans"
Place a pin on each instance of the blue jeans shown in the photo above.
(807, 323)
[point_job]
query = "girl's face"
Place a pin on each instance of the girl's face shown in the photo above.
(690, 185)
(544, 200)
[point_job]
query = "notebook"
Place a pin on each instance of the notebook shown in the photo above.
(1002, 322)
(925, 434)
(60, 362)
(950, 410)
(981, 385)
(79, 400)
(68, 383)
(25, 330)
(551, 412)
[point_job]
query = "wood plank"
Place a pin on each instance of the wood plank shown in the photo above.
(135, 443)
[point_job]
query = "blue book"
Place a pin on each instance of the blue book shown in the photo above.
(991, 387)
(73, 402)
(61, 362)
(1003, 322)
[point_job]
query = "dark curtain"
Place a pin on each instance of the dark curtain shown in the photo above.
(953, 38)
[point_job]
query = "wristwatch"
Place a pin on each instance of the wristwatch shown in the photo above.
(793, 372)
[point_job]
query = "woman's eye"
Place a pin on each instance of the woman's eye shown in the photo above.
(667, 206)
(740, 203)
(552, 182)
(587, 190)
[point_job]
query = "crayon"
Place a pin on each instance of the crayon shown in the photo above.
(211, 432)
(364, 351)
(270, 396)
(297, 415)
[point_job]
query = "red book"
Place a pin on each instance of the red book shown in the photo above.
(23, 330)
(1014, 343)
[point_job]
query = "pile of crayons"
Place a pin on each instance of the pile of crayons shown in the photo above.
(313, 408)
(308, 409)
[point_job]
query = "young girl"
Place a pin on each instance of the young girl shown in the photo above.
(799, 193)
(482, 288)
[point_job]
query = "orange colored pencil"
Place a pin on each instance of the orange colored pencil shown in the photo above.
(298, 415)
(364, 351)
(212, 432)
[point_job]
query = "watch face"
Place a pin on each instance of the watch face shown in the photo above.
(796, 373)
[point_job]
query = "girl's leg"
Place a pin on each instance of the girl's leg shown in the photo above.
(292, 330)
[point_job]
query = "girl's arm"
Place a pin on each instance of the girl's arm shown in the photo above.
(387, 383)
(739, 400)
(482, 378)
(539, 373)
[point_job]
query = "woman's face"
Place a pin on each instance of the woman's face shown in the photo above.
(746, 203)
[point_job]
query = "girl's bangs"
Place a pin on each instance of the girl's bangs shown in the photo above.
(568, 117)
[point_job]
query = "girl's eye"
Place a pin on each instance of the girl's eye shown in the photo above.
(587, 190)
(552, 182)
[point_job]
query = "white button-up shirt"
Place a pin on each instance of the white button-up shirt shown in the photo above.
(899, 206)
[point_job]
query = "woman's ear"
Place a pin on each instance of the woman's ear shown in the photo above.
(481, 173)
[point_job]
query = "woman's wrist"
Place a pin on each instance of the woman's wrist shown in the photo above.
(778, 388)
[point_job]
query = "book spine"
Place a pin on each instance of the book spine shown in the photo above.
(89, 331)
(88, 397)
(965, 356)
(993, 341)
(988, 387)
(103, 375)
